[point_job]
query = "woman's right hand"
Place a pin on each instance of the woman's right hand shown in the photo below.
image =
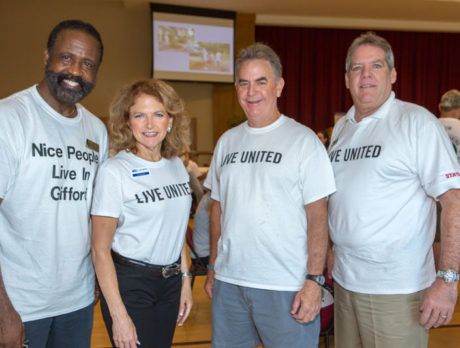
(124, 332)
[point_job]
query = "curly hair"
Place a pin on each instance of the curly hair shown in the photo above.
(121, 136)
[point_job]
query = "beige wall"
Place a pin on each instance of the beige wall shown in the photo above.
(126, 33)
(198, 97)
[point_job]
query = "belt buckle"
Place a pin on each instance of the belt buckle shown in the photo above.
(170, 270)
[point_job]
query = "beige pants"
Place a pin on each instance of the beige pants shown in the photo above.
(378, 321)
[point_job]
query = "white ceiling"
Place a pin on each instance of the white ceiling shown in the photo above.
(438, 15)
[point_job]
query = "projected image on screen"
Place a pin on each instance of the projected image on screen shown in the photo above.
(210, 56)
(192, 48)
(175, 39)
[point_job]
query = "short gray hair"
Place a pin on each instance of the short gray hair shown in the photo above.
(450, 100)
(259, 51)
(372, 39)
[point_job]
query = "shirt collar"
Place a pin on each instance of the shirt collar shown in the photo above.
(381, 112)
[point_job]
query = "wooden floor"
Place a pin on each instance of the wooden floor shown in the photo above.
(196, 332)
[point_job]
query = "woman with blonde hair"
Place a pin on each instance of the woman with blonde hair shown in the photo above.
(140, 213)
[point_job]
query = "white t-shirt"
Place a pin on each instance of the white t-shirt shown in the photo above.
(201, 227)
(452, 126)
(388, 168)
(263, 178)
(151, 201)
(48, 163)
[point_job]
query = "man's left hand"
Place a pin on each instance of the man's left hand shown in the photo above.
(307, 302)
(439, 304)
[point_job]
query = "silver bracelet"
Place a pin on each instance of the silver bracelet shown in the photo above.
(187, 274)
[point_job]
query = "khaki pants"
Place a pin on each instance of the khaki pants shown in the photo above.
(378, 321)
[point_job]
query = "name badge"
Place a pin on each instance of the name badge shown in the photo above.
(92, 145)
(140, 172)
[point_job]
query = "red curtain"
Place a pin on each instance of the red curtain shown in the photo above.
(427, 64)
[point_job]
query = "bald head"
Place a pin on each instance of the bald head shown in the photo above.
(450, 104)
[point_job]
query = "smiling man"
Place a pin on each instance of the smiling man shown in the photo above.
(50, 149)
(392, 160)
(269, 179)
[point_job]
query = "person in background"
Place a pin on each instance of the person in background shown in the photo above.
(201, 231)
(140, 214)
(50, 150)
(323, 135)
(269, 179)
(194, 173)
(391, 161)
(449, 116)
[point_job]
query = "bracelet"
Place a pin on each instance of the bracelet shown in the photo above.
(187, 274)
(210, 267)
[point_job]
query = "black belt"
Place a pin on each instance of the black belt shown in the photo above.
(165, 271)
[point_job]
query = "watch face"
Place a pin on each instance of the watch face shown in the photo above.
(321, 280)
(449, 276)
(317, 278)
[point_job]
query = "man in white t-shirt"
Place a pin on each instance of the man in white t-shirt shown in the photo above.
(50, 149)
(391, 161)
(269, 179)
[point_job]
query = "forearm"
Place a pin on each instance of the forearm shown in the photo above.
(186, 300)
(317, 236)
(450, 231)
(11, 327)
(107, 278)
(5, 302)
(103, 230)
(183, 259)
(215, 230)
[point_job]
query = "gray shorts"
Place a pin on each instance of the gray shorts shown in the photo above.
(244, 317)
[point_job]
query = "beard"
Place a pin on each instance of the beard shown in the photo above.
(63, 94)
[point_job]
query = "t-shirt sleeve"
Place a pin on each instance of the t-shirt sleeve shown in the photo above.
(436, 160)
(105, 147)
(107, 196)
(212, 178)
(10, 140)
(317, 177)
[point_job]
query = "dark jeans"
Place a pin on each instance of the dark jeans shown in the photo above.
(151, 302)
(70, 330)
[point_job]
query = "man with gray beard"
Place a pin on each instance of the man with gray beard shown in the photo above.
(50, 149)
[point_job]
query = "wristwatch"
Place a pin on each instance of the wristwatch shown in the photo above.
(449, 276)
(318, 279)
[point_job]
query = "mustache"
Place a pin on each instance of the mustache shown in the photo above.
(70, 77)
(66, 94)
